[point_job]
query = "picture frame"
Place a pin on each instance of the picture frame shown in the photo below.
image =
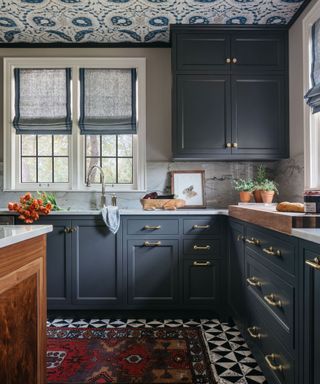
(189, 186)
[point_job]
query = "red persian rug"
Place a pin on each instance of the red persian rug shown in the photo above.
(127, 355)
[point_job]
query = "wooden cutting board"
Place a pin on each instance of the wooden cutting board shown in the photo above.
(272, 219)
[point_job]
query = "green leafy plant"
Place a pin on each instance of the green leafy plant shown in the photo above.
(269, 185)
(242, 185)
(260, 178)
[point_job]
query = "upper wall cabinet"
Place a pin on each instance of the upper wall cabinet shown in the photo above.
(230, 93)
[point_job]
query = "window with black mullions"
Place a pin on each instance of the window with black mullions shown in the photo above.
(44, 158)
(114, 153)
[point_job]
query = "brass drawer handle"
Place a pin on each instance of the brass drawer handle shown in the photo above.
(151, 227)
(196, 226)
(228, 60)
(201, 248)
(254, 333)
(240, 238)
(272, 252)
(253, 241)
(314, 264)
(270, 359)
(201, 263)
(234, 60)
(234, 145)
(271, 300)
(254, 282)
(229, 145)
(148, 244)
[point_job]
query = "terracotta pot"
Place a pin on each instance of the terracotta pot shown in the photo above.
(267, 196)
(245, 196)
(257, 196)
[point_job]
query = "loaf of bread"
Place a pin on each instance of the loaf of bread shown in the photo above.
(285, 206)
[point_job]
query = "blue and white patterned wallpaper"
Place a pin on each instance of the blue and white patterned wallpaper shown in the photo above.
(138, 21)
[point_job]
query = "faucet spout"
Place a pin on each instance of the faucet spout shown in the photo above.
(103, 187)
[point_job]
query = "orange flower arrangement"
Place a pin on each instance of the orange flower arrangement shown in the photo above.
(30, 208)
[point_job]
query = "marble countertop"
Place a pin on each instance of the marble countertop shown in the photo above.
(309, 234)
(135, 211)
(12, 234)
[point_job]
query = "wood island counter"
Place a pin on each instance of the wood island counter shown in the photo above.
(23, 303)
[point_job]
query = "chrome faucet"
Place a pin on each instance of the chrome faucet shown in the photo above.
(103, 190)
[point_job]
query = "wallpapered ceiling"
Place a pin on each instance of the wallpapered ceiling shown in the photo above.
(137, 21)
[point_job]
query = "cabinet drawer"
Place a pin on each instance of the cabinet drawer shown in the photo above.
(152, 226)
(201, 247)
(201, 226)
(277, 295)
(276, 361)
(277, 251)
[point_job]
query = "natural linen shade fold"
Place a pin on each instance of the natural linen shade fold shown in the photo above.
(42, 101)
(313, 95)
(107, 101)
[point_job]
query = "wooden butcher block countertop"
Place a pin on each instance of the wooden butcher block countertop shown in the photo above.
(269, 217)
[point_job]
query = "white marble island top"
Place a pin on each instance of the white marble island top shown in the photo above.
(309, 234)
(12, 234)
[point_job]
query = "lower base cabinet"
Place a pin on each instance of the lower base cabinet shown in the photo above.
(311, 312)
(153, 272)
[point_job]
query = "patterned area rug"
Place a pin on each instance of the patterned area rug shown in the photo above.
(127, 355)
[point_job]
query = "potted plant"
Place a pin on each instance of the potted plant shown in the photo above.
(245, 187)
(269, 188)
(258, 183)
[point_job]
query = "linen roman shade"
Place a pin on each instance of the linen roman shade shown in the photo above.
(107, 101)
(42, 101)
(313, 95)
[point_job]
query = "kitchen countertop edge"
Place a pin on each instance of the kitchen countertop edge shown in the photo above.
(13, 234)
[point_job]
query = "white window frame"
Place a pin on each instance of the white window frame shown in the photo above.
(311, 121)
(76, 149)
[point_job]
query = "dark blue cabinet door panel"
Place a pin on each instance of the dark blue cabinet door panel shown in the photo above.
(311, 316)
(203, 52)
(58, 262)
(259, 116)
(258, 52)
(152, 271)
(202, 284)
(202, 116)
(96, 264)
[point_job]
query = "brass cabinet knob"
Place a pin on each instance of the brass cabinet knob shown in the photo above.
(73, 229)
(228, 60)
(234, 145)
(315, 263)
(234, 60)
(271, 361)
(67, 230)
(149, 244)
(229, 145)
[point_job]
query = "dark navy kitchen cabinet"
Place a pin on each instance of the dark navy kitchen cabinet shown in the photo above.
(311, 311)
(153, 271)
(235, 107)
(96, 264)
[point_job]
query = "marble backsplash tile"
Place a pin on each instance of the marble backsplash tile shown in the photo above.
(218, 186)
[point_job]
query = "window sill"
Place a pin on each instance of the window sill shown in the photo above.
(108, 191)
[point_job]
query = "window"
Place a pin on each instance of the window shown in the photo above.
(311, 53)
(63, 116)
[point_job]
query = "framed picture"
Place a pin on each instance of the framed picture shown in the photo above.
(189, 186)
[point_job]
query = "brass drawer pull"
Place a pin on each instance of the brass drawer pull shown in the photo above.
(151, 227)
(234, 145)
(240, 238)
(201, 263)
(148, 244)
(254, 333)
(234, 60)
(271, 300)
(270, 359)
(314, 264)
(253, 241)
(228, 60)
(229, 145)
(196, 226)
(201, 248)
(272, 252)
(254, 281)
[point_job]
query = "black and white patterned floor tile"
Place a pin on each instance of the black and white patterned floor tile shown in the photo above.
(232, 360)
